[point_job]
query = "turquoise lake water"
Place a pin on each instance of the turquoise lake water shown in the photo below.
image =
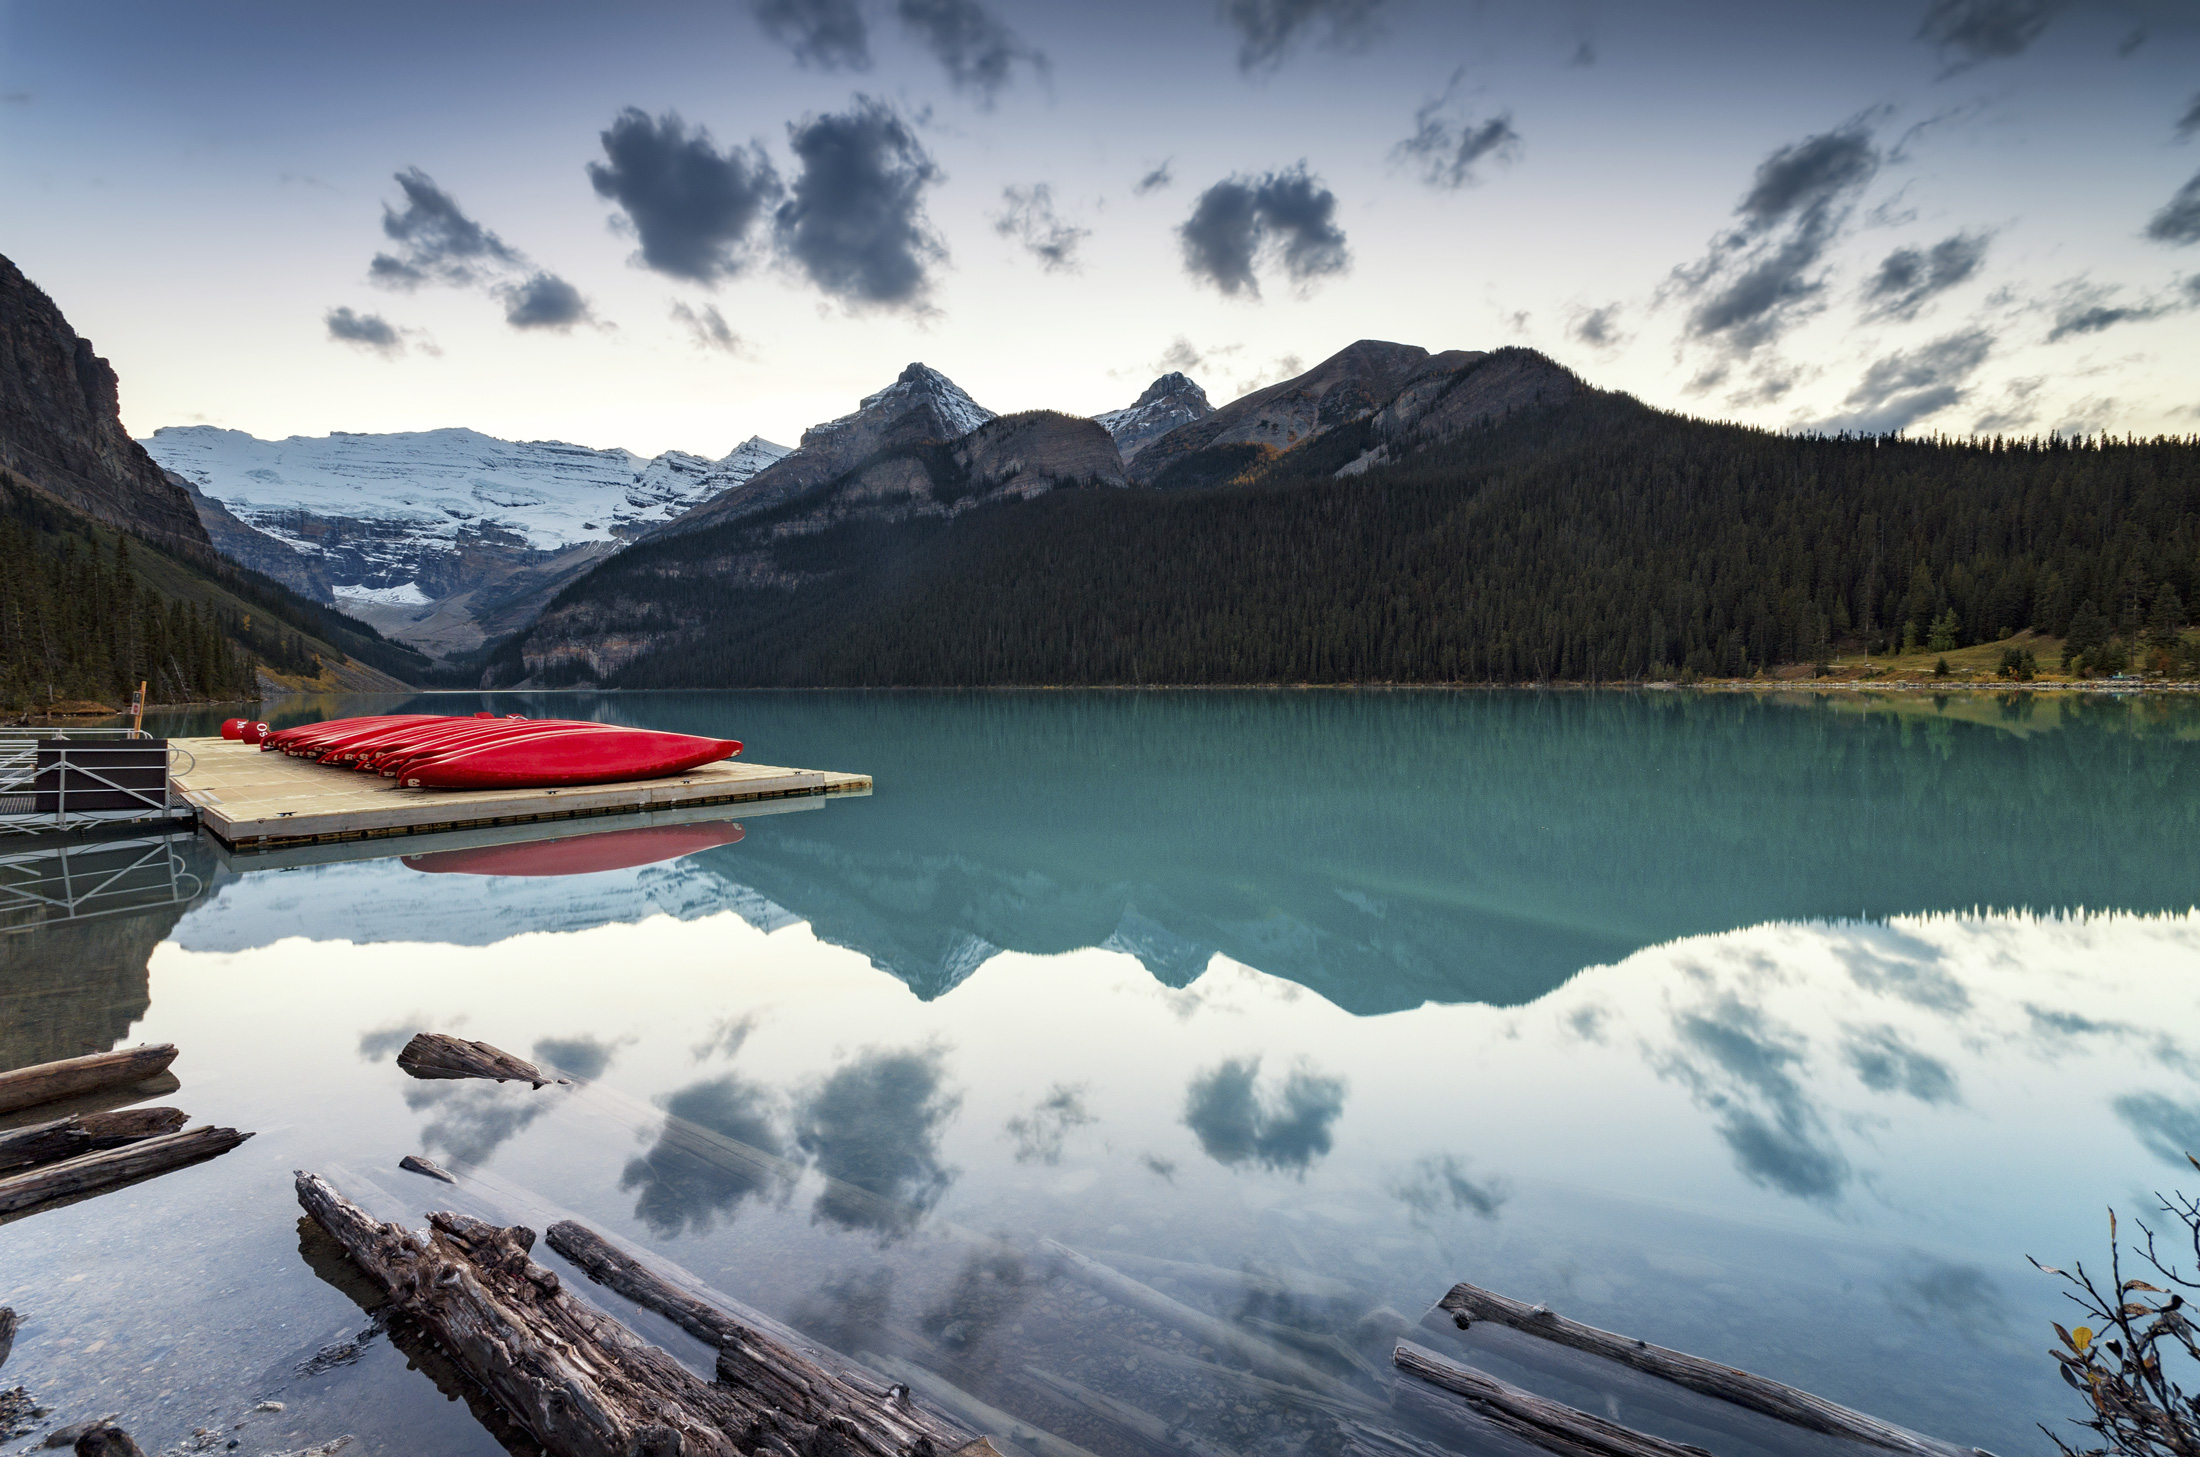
(1776, 1029)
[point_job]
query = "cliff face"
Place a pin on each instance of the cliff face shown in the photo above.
(61, 423)
(1169, 402)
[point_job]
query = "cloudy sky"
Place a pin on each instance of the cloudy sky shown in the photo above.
(677, 224)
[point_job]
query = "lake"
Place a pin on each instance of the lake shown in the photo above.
(1779, 1029)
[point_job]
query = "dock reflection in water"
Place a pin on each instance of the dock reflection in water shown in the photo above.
(1678, 1013)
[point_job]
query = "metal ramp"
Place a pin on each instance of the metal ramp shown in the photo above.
(74, 882)
(60, 780)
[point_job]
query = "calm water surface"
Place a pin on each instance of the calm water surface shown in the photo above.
(1780, 1031)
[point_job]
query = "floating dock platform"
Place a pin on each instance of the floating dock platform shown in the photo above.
(252, 799)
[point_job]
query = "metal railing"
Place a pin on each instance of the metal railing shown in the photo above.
(70, 779)
(102, 878)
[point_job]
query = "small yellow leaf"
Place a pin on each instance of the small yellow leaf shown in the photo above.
(2081, 1338)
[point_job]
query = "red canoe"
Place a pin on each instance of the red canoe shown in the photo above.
(581, 855)
(597, 755)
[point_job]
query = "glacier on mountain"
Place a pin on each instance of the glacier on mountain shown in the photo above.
(427, 490)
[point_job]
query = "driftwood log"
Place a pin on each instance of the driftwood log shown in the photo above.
(575, 1379)
(1463, 1397)
(1470, 1303)
(27, 1087)
(1014, 1431)
(416, 1164)
(1135, 1420)
(434, 1055)
(868, 1415)
(90, 1171)
(107, 1440)
(9, 1321)
(1268, 1360)
(65, 1138)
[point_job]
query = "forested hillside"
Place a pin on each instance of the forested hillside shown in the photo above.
(89, 612)
(1593, 540)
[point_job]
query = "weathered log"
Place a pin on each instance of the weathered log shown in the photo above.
(1280, 1283)
(62, 1138)
(1470, 1303)
(1365, 1439)
(414, 1163)
(1348, 1404)
(27, 1087)
(1142, 1424)
(868, 1414)
(1269, 1360)
(1477, 1400)
(1313, 1343)
(9, 1321)
(573, 1378)
(435, 1055)
(986, 1418)
(99, 1100)
(114, 1166)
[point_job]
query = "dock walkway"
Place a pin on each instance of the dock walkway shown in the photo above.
(251, 799)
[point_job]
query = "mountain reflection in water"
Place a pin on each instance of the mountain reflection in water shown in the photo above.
(1680, 1011)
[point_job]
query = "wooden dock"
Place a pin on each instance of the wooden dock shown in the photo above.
(255, 800)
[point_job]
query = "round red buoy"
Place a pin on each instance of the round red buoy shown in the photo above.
(233, 728)
(252, 733)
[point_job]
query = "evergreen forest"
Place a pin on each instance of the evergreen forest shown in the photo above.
(88, 613)
(1599, 540)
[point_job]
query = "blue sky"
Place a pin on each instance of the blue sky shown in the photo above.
(1933, 214)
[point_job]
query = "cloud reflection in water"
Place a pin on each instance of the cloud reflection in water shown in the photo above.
(1239, 1124)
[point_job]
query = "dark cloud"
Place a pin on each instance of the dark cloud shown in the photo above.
(1886, 1064)
(381, 1042)
(367, 331)
(1970, 31)
(1909, 277)
(1237, 1123)
(1917, 978)
(2132, 42)
(1585, 56)
(472, 1121)
(437, 240)
(1154, 181)
(827, 34)
(1945, 1295)
(693, 207)
(992, 1286)
(1039, 1134)
(581, 1056)
(854, 221)
(873, 1127)
(2083, 307)
(977, 48)
(690, 1178)
(1445, 147)
(1027, 215)
(1268, 29)
(1905, 387)
(1598, 328)
(708, 330)
(1238, 221)
(1740, 1067)
(2190, 121)
(728, 1034)
(2170, 1130)
(1440, 1185)
(543, 301)
(1762, 275)
(2178, 223)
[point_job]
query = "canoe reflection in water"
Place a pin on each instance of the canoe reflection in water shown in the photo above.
(581, 854)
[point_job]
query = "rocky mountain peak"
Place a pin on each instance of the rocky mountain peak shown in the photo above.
(1168, 402)
(920, 399)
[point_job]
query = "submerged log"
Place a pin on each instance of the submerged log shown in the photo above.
(1470, 1303)
(62, 1138)
(1268, 1360)
(1138, 1422)
(1280, 1283)
(414, 1163)
(9, 1320)
(988, 1419)
(1477, 1401)
(91, 1171)
(27, 1087)
(576, 1380)
(868, 1414)
(435, 1055)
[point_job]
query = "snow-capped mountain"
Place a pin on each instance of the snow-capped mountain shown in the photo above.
(921, 404)
(435, 486)
(1168, 402)
(439, 537)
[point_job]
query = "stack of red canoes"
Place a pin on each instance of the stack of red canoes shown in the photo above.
(432, 751)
